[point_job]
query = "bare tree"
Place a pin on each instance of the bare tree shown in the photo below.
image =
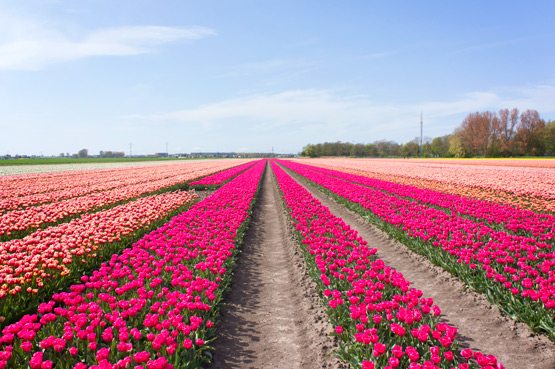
(477, 132)
(530, 133)
(506, 128)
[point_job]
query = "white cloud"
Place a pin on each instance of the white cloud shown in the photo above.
(351, 115)
(29, 45)
(539, 97)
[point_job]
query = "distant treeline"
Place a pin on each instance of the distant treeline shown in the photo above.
(111, 154)
(507, 133)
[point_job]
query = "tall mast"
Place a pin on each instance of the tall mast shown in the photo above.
(421, 125)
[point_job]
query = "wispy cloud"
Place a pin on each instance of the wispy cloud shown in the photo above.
(341, 114)
(296, 105)
(31, 45)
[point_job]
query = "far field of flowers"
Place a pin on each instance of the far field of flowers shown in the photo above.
(526, 184)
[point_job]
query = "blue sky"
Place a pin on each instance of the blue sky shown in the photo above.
(252, 75)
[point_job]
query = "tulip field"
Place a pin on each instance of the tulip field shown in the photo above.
(32, 202)
(510, 259)
(218, 179)
(120, 314)
(128, 267)
(524, 184)
(362, 292)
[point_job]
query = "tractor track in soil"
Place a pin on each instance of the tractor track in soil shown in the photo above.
(480, 324)
(272, 317)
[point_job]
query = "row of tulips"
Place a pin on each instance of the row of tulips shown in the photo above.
(18, 223)
(29, 184)
(70, 186)
(380, 320)
(150, 307)
(21, 192)
(503, 217)
(37, 265)
(218, 179)
(453, 186)
(520, 181)
(34, 184)
(516, 273)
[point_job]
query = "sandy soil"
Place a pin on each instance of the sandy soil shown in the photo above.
(272, 317)
(481, 325)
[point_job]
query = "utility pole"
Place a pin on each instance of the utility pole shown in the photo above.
(167, 152)
(130, 150)
(272, 151)
(421, 125)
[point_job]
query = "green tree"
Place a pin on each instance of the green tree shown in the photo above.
(440, 146)
(358, 150)
(309, 151)
(410, 149)
(549, 138)
(456, 147)
(372, 150)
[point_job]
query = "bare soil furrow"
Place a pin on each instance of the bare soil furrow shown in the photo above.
(272, 317)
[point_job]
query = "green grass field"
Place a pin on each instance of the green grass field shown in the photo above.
(35, 161)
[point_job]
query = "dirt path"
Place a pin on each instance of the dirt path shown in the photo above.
(480, 324)
(272, 317)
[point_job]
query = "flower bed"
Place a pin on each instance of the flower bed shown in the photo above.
(18, 192)
(527, 188)
(520, 181)
(380, 320)
(39, 264)
(216, 180)
(505, 218)
(19, 223)
(517, 273)
(153, 305)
